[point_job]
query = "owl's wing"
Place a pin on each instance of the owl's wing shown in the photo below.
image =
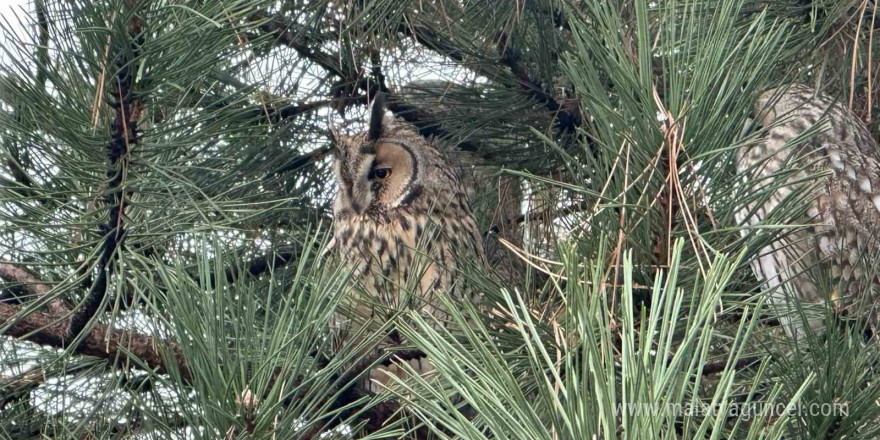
(840, 246)
(781, 265)
(847, 214)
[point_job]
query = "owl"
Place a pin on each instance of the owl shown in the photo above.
(838, 169)
(403, 224)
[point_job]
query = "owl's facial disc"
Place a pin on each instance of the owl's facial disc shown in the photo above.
(377, 176)
(375, 170)
(394, 174)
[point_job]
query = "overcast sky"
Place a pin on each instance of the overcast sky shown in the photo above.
(11, 12)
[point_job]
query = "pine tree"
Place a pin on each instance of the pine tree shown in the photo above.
(165, 195)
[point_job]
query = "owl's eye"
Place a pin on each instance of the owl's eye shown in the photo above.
(380, 173)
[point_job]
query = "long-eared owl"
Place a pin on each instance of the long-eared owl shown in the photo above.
(403, 224)
(835, 255)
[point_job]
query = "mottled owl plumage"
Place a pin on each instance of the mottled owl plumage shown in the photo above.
(840, 244)
(403, 224)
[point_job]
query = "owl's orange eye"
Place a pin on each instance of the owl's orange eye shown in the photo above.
(380, 173)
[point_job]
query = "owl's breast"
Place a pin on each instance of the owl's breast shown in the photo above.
(384, 254)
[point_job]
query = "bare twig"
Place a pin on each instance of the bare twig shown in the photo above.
(720, 366)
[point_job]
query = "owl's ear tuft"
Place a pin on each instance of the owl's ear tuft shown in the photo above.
(334, 133)
(377, 114)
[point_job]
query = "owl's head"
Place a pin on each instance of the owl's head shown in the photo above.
(381, 169)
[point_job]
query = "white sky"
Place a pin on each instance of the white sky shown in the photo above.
(11, 13)
(5, 5)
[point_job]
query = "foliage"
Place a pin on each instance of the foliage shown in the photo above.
(165, 192)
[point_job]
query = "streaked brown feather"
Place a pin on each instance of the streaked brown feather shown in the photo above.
(841, 244)
(410, 237)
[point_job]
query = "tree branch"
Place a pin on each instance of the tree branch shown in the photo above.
(303, 160)
(31, 284)
(566, 119)
(125, 136)
(535, 216)
(717, 367)
(13, 388)
(276, 115)
(427, 37)
(42, 49)
(261, 265)
(381, 356)
(276, 25)
(21, 276)
(425, 122)
(122, 347)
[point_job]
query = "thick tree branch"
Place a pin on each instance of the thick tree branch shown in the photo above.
(122, 347)
(21, 276)
(32, 285)
(124, 138)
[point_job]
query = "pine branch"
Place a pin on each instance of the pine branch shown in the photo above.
(510, 58)
(720, 366)
(122, 347)
(383, 357)
(14, 388)
(32, 285)
(303, 160)
(294, 110)
(278, 26)
(20, 276)
(424, 122)
(42, 48)
(125, 136)
(19, 174)
(261, 265)
(537, 216)
(41, 427)
(567, 120)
